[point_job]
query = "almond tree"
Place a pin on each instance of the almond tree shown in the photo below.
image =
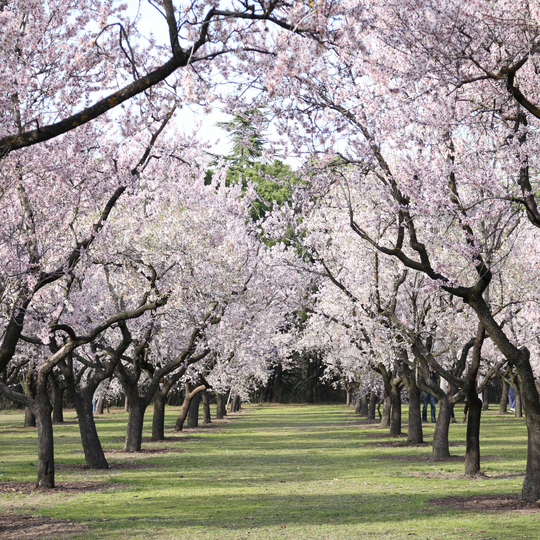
(41, 406)
(67, 63)
(435, 165)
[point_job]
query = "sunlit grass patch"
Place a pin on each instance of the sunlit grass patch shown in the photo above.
(299, 472)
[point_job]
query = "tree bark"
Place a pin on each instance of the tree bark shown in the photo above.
(193, 411)
(441, 449)
(28, 383)
(310, 382)
(416, 434)
(82, 399)
(519, 404)
(58, 400)
(206, 408)
(158, 420)
(529, 394)
(372, 405)
(472, 453)
(101, 402)
(100, 406)
(93, 451)
(277, 386)
(395, 417)
(503, 404)
(43, 410)
(236, 403)
(29, 418)
(364, 405)
(137, 408)
(185, 405)
(220, 400)
(387, 407)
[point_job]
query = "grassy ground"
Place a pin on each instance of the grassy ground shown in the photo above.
(287, 472)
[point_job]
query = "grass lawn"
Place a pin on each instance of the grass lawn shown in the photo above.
(287, 472)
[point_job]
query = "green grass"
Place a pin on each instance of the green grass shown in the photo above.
(287, 472)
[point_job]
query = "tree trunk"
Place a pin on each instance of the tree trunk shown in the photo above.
(158, 420)
(29, 418)
(348, 397)
(485, 400)
(137, 408)
(520, 359)
(519, 404)
(372, 405)
(223, 407)
(278, 384)
(441, 449)
(58, 407)
(310, 380)
(82, 399)
(472, 454)
(58, 401)
(387, 407)
(364, 405)
(188, 396)
(206, 408)
(43, 412)
(193, 412)
(529, 395)
(100, 406)
(93, 451)
(503, 404)
(28, 383)
(220, 400)
(416, 434)
(395, 418)
(101, 402)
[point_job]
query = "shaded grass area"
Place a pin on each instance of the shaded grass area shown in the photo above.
(292, 472)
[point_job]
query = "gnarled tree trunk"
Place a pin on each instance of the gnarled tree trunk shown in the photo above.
(185, 405)
(93, 451)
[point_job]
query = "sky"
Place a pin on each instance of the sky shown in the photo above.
(189, 118)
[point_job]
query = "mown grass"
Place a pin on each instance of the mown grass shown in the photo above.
(287, 472)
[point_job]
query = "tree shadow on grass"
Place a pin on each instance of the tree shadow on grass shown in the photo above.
(259, 511)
